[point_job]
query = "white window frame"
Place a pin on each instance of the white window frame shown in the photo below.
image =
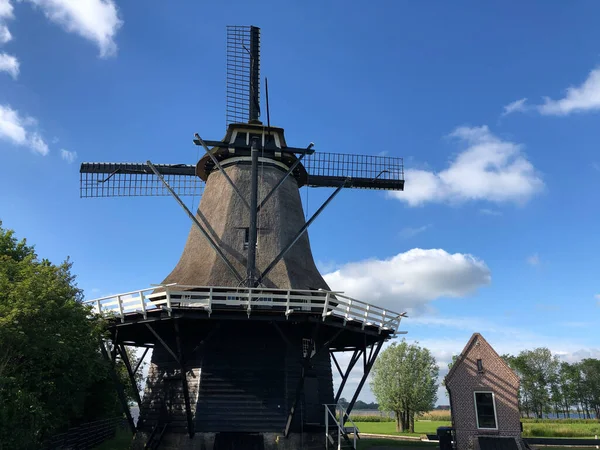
(476, 412)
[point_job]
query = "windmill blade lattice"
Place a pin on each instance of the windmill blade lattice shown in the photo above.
(324, 170)
(137, 180)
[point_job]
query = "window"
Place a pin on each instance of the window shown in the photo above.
(246, 238)
(485, 410)
(479, 366)
(306, 348)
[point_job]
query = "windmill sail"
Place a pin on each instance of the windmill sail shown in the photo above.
(243, 74)
(323, 169)
(136, 179)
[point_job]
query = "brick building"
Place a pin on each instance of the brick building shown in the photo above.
(483, 393)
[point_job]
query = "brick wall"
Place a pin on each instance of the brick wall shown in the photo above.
(464, 379)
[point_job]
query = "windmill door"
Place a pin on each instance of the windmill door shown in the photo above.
(313, 410)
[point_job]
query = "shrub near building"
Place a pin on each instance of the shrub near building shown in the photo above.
(51, 372)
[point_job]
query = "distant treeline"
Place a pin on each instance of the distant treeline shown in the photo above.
(360, 405)
(553, 387)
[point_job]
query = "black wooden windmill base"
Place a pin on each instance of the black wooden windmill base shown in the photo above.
(269, 375)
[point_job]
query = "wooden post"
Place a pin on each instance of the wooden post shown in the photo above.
(184, 383)
(131, 373)
(120, 390)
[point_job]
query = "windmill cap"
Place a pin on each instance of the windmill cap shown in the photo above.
(237, 144)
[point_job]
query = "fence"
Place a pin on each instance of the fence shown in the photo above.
(88, 435)
(248, 300)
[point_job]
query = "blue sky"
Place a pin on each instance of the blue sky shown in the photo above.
(494, 107)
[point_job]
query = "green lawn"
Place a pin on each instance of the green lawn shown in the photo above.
(421, 427)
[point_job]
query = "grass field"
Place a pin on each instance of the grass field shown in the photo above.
(557, 429)
(421, 427)
(550, 428)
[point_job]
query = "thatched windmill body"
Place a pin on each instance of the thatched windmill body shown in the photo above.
(244, 328)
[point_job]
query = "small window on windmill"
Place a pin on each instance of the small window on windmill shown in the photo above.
(306, 347)
(479, 366)
(247, 238)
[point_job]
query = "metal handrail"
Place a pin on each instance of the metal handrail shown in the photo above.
(341, 430)
(291, 301)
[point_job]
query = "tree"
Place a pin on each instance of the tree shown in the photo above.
(404, 381)
(538, 371)
(52, 374)
(590, 371)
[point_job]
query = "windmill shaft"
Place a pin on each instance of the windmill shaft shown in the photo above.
(251, 263)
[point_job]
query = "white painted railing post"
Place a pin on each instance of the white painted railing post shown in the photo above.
(210, 298)
(348, 308)
(120, 308)
(339, 434)
(326, 427)
(287, 306)
(143, 304)
(366, 316)
(98, 307)
(168, 300)
(249, 301)
(382, 323)
(326, 306)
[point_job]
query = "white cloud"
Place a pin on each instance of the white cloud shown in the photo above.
(410, 232)
(412, 279)
(489, 169)
(9, 64)
(516, 106)
(5, 35)
(6, 9)
(585, 97)
(95, 20)
(6, 12)
(68, 156)
(21, 130)
(533, 260)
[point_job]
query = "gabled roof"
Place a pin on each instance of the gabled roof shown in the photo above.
(476, 338)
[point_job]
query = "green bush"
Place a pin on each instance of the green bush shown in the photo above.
(370, 418)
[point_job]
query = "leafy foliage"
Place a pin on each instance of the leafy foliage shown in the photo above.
(405, 382)
(51, 372)
(550, 386)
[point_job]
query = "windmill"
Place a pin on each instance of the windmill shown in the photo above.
(244, 329)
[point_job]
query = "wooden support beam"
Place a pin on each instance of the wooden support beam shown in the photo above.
(206, 338)
(119, 386)
(337, 365)
(163, 343)
(184, 383)
(281, 333)
(131, 373)
(353, 360)
(373, 356)
(141, 360)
